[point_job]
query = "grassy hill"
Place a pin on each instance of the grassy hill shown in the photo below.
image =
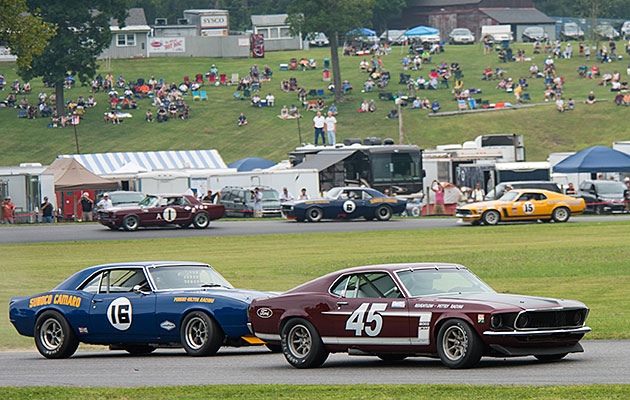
(213, 122)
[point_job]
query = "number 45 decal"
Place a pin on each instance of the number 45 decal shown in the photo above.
(358, 321)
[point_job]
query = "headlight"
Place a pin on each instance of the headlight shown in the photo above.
(496, 321)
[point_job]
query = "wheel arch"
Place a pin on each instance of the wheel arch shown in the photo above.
(206, 311)
(448, 317)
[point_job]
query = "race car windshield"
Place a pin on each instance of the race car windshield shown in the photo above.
(423, 282)
(187, 277)
(333, 193)
(509, 196)
(149, 201)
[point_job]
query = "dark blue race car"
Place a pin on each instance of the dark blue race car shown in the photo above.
(138, 307)
(345, 203)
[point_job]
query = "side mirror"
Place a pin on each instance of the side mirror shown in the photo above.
(238, 200)
(138, 290)
(592, 191)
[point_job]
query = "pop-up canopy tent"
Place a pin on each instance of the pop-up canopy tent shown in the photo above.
(422, 31)
(595, 159)
(69, 174)
(251, 163)
(361, 32)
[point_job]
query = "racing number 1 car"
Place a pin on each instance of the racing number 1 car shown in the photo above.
(137, 307)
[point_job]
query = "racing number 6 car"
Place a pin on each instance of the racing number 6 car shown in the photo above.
(137, 307)
(401, 310)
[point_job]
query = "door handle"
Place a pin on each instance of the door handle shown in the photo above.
(97, 300)
(342, 303)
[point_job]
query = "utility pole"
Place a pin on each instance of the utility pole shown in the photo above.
(75, 122)
(400, 121)
(299, 130)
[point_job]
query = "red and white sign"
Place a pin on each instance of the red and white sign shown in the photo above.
(75, 120)
(167, 45)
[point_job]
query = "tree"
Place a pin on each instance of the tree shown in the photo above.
(82, 35)
(25, 33)
(386, 12)
(334, 18)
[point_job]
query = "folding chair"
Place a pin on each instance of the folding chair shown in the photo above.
(526, 97)
(235, 78)
(195, 95)
(212, 78)
(461, 105)
(199, 78)
(320, 92)
(237, 96)
(247, 93)
(222, 79)
(458, 74)
(472, 103)
(256, 86)
(204, 95)
(312, 92)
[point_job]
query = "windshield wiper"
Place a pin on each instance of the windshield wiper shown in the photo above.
(210, 285)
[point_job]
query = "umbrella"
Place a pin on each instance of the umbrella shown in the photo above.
(595, 159)
(251, 163)
(422, 31)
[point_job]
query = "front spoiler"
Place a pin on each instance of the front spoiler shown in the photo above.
(576, 331)
(536, 351)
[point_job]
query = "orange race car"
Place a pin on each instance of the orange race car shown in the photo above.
(522, 205)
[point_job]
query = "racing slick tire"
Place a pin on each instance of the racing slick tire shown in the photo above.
(54, 337)
(131, 223)
(314, 214)
(491, 217)
(201, 220)
(383, 213)
(200, 335)
(138, 350)
(561, 214)
(551, 357)
(458, 345)
(301, 344)
(392, 357)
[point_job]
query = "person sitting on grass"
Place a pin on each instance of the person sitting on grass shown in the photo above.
(591, 98)
(162, 114)
(242, 120)
(571, 104)
(256, 100)
(435, 106)
(372, 106)
(416, 105)
(284, 112)
(184, 112)
(333, 109)
(320, 104)
(560, 104)
(148, 116)
(487, 73)
(392, 114)
(294, 112)
(364, 107)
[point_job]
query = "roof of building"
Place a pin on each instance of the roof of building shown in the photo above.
(517, 15)
(269, 20)
(441, 3)
(136, 17)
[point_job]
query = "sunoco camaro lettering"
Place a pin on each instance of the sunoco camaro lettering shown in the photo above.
(138, 307)
(402, 310)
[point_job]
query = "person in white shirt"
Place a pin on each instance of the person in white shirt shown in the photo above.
(318, 123)
(270, 100)
(105, 203)
(285, 195)
(303, 195)
(478, 194)
(331, 128)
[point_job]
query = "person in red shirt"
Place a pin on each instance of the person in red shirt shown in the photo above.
(8, 211)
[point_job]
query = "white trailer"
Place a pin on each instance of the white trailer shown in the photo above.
(27, 185)
(293, 179)
(498, 33)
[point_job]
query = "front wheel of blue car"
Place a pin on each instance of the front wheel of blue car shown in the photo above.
(54, 336)
(200, 334)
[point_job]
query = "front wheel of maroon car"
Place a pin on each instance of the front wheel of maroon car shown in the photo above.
(302, 345)
(458, 345)
(54, 336)
(131, 223)
(200, 335)
(201, 220)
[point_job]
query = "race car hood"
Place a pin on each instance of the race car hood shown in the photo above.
(486, 204)
(244, 295)
(500, 300)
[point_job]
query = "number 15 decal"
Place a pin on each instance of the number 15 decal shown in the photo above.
(359, 322)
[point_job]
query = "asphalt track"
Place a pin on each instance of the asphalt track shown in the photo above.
(92, 231)
(603, 362)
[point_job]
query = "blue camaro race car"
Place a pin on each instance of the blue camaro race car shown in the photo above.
(138, 307)
(345, 203)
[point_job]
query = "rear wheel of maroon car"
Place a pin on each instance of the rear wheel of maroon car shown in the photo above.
(201, 220)
(131, 223)
(458, 345)
(54, 336)
(302, 345)
(200, 335)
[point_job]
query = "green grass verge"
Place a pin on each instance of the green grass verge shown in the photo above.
(583, 261)
(213, 122)
(443, 392)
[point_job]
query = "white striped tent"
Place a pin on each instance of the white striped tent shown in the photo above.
(107, 163)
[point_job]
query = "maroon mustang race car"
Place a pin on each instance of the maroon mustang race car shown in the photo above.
(162, 209)
(402, 310)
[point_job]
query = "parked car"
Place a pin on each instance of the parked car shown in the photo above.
(606, 31)
(625, 30)
(124, 198)
(159, 210)
(500, 188)
(239, 201)
(137, 307)
(318, 39)
(395, 311)
(393, 37)
(497, 33)
(533, 34)
(602, 196)
(345, 203)
(571, 31)
(522, 205)
(461, 36)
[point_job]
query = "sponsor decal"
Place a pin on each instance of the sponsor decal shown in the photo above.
(423, 305)
(264, 312)
(193, 300)
(83, 329)
(58, 299)
(119, 313)
(481, 318)
(383, 200)
(168, 325)
(398, 304)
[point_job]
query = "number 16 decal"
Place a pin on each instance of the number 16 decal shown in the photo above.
(358, 321)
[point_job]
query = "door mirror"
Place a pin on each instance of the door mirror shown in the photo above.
(238, 200)
(138, 290)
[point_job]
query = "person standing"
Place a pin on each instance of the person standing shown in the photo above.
(285, 195)
(87, 206)
(105, 203)
(626, 194)
(318, 123)
(477, 194)
(47, 211)
(8, 211)
(331, 128)
(257, 197)
(439, 198)
(303, 195)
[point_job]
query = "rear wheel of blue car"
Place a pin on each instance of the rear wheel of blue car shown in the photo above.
(200, 335)
(458, 345)
(301, 344)
(54, 336)
(201, 220)
(314, 214)
(383, 213)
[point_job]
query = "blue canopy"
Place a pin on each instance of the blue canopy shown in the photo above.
(251, 163)
(361, 32)
(595, 159)
(422, 31)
